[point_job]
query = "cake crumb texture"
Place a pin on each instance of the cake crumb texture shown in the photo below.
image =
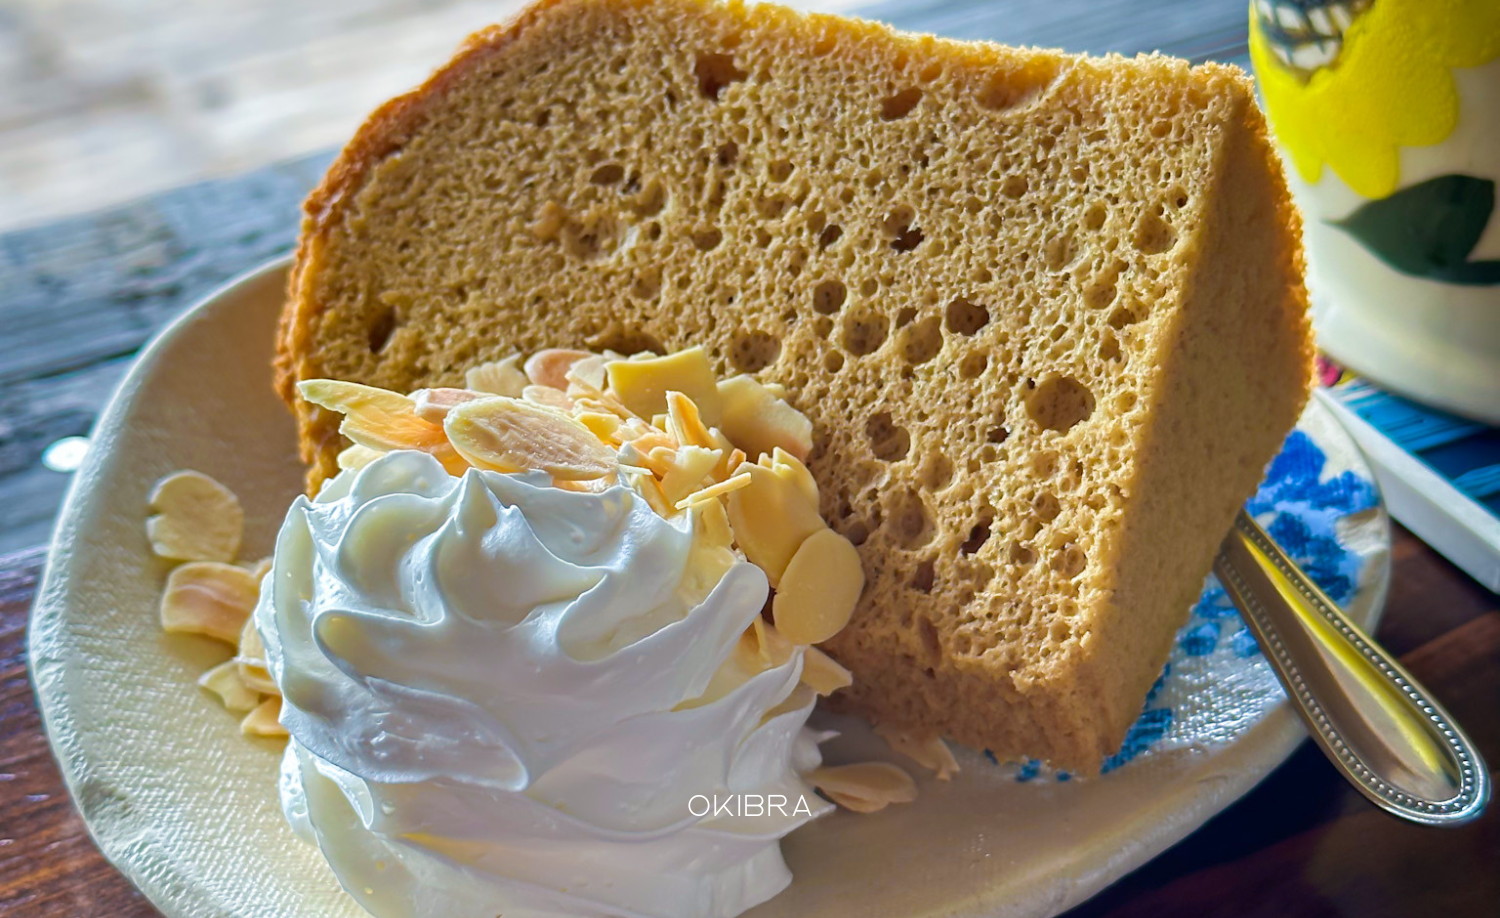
(1045, 311)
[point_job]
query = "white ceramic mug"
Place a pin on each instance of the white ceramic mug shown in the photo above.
(1388, 114)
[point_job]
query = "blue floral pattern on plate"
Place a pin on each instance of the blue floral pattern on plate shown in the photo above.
(1319, 504)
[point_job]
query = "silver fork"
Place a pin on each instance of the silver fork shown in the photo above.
(1370, 717)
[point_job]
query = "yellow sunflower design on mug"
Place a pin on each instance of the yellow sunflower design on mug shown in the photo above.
(1348, 83)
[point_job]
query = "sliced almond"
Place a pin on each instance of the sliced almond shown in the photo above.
(498, 377)
(224, 681)
(647, 487)
(380, 419)
(758, 421)
(771, 645)
(547, 397)
(773, 515)
(717, 489)
(434, 404)
(509, 435)
(587, 377)
(686, 472)
(250, 661)
(604, 426)
(550, 367)
(263, 721)
(930, 752)
(685, 423)
(195, 519)
(865, 787)
(643, 384)
(355, 456)
(818, 591)
(822, 673)
(209, 598)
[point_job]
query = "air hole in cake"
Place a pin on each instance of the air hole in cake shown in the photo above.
(753, 351)
(923, 341)
(864, 332)
(979, 535)
(899, 229)
(900, 104)
(825, 43)
(651, 200)
(607, 174)
(822, 327)
(996, 435)
(1059, 252)
(1101, 291)
(1044, 464)
(829, 235)
(937, 472)
(966, 318)
(1153, 235)
(1176, 197)
(1022, 555)
(1047, 506)
(625, 341)
(833, 361)
(972, 366)
(869, 287)
(909, 520)
(889, 441)
(779, 170)
(1060, 403)
(707, 239)
(829, 296)
(1121, 317)
(1125, 401)
(646, 284)
(857, 532)
(988, 453)
(927, 632)
(772, 207)
(904, 315)
(1069, 561)
(1011, 89)
(924, 576)
(653, 231)
(727, 154)
(1014, 186)
(714, 72)
(382, 328)
(1094, 217)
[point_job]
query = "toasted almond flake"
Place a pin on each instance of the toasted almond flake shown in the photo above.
(547, 397)
(357, 457)
(642, 384)
(651, 439)
(646, 486)
(209, 598)
(224, 681)
(250, 660)
(717, 489)
(818, 591)
(376, 418)
(194, 519)
(793, 469)
(773, 515)
(930, 752)
(685, 423)
(606, 427)
(498, 377)
(434, 404)
(822, 673)
(662, 423)
(605, 403)
(730, 464)
(660, 460)
(687, 471)
(771, 645)
(864, 787)
(758, 421)
(550, 367)
(509, 435)
(587, 376)
(589, 486)
(264, 720)
(712, 521)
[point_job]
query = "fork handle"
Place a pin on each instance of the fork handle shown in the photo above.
(1376, 723)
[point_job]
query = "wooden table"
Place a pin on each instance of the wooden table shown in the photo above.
(79, 297)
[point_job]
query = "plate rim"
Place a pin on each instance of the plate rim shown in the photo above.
(1246, 764)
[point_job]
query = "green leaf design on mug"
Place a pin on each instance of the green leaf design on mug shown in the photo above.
(1429, 229)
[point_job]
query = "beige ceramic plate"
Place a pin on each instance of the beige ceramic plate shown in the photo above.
(187, 808)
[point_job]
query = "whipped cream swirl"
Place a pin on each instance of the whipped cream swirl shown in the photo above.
(504, 697)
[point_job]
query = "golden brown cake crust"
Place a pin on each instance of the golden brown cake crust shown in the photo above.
(1045, 311)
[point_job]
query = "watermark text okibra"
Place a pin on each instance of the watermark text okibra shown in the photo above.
(748, 805)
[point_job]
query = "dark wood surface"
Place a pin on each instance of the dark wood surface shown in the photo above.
(79, 297)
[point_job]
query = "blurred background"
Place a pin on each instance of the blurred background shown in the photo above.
(103, 101)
